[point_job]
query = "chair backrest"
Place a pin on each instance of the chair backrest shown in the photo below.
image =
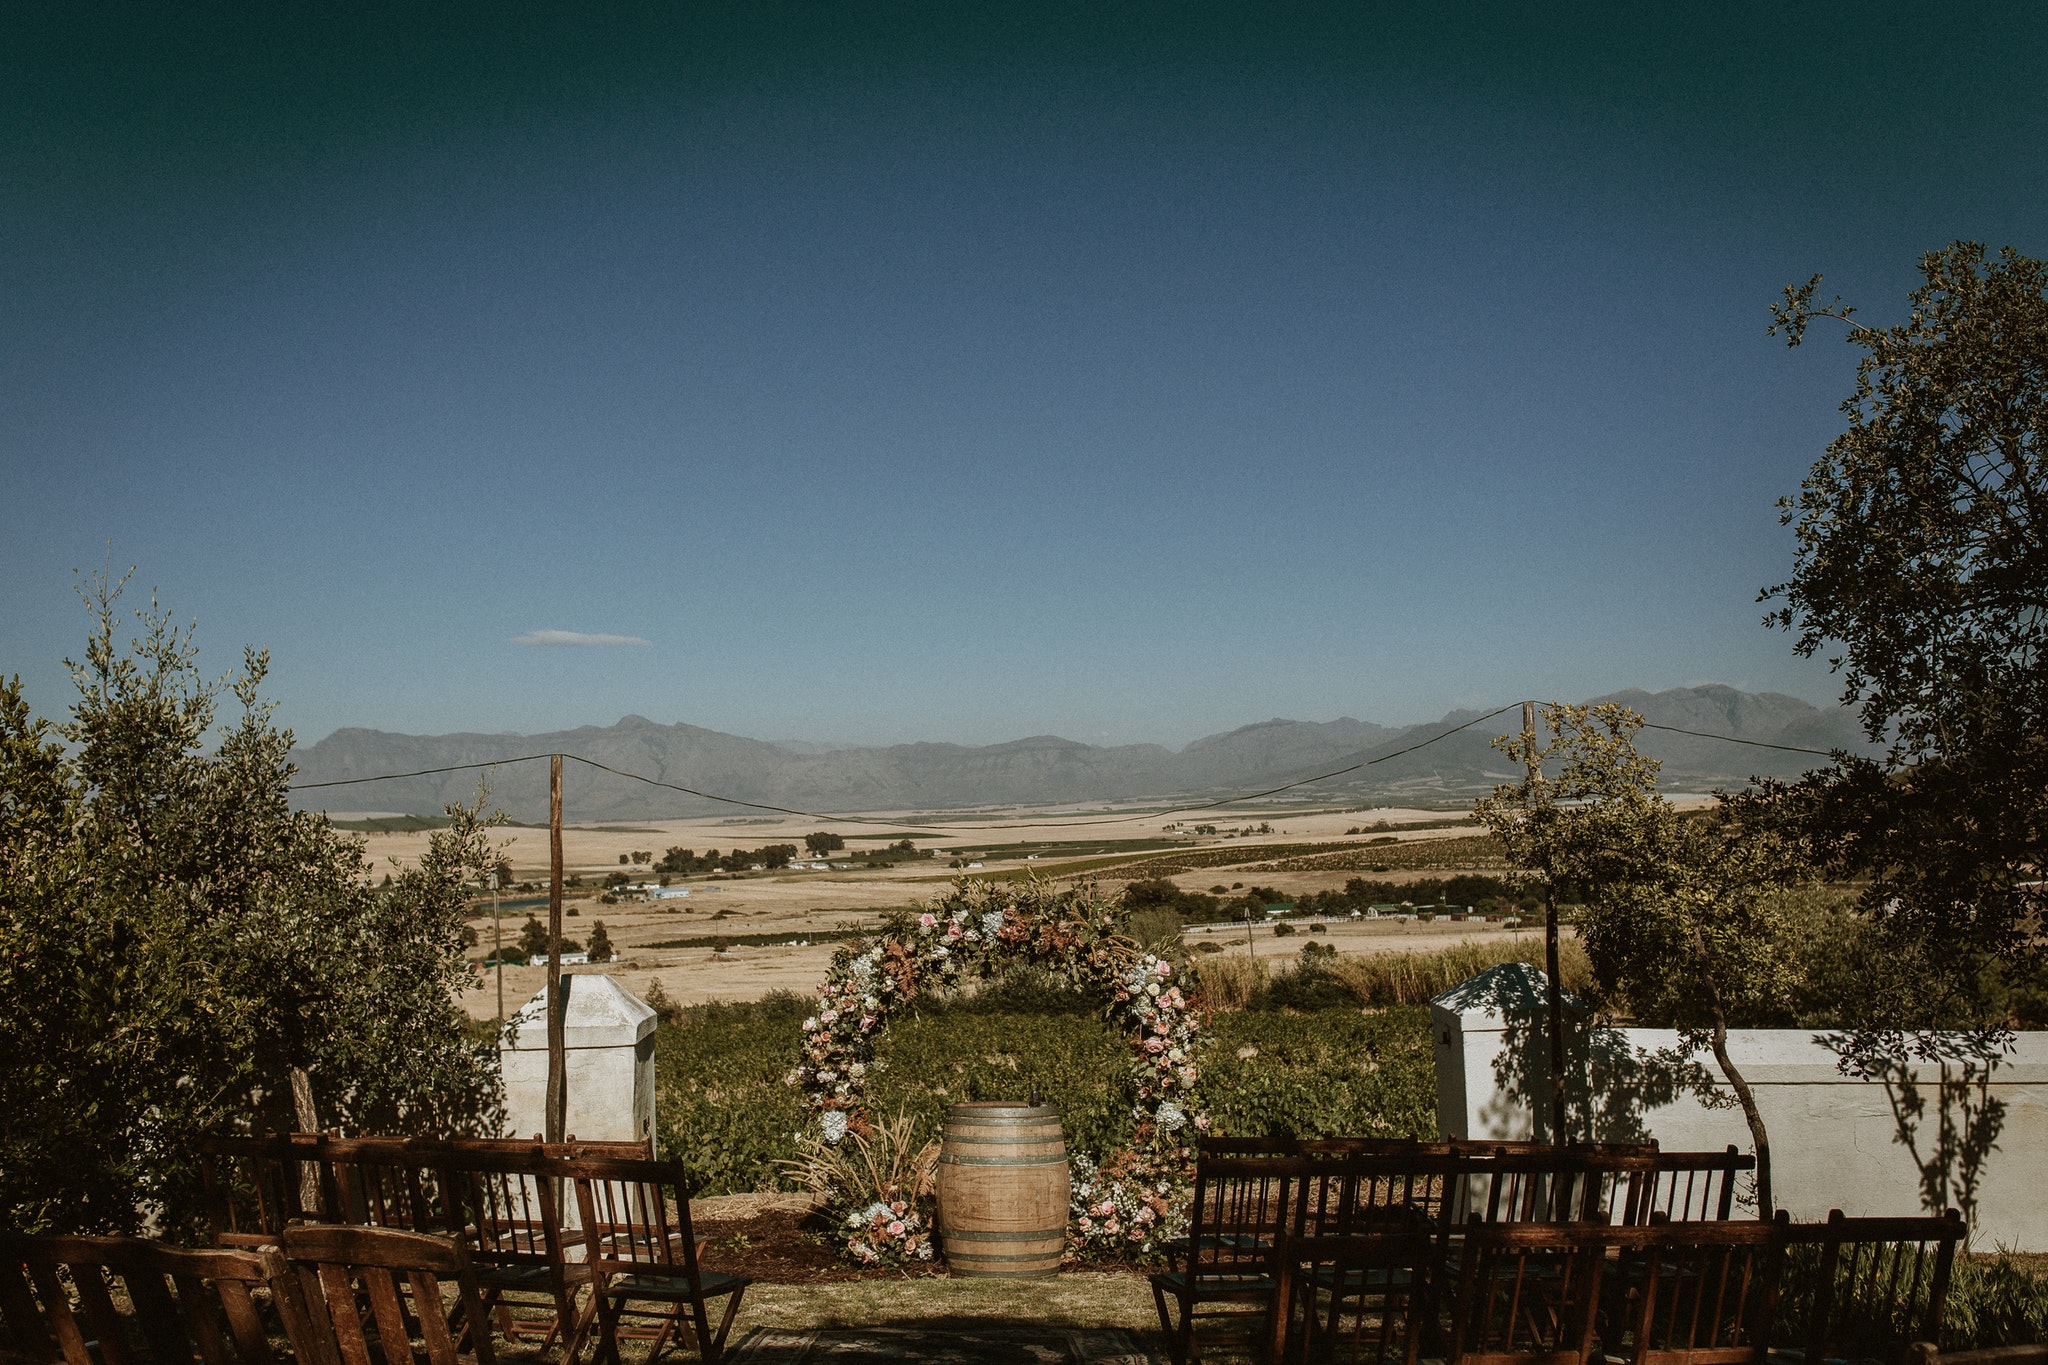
(1866, 1286)
(508, 1204)
(253, 1186)
(354, 1278)
(1387, 1282)
(635, 1216)
(385, 1183)
(1682, 1187)
(596, 1149)
(1527, 1292)
(1361, 1193)
(1700, 1292)
(1241, 1212)
(58, 1299)
(1536, 1185)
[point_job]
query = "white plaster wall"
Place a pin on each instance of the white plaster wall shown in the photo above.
(1834, 1139)
(610, 1056)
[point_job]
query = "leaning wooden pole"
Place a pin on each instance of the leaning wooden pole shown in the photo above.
(558, 1014)
(1555, 990)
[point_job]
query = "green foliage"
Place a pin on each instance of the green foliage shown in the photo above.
(600, 942)
(1922, 570)
(533, 938)
(176, 940)
(1331, 1073)
(822, 843)
(1994, 1301)
(723, 1108)
(726, 1114)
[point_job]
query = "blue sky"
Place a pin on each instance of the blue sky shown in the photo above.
(1128, 373)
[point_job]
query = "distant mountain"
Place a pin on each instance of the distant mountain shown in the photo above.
(1041, 770)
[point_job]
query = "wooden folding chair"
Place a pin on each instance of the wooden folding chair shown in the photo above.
(508, 1205)
(58, 1299)
(355, 1282)
(1527, 1293)
(640, 1248)
(385, 1183)
(1695, 1293)
(1381, 1283)
(253, 1186)
(1866, 1286)
(1238, 1219)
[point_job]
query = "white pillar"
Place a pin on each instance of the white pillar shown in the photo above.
(610, 1034)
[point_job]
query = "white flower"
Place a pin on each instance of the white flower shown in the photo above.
(833, 1121)
(811, 1024)
(992, 922)
(1169, 1116)
(1153, 990)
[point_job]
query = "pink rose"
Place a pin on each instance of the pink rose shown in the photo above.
(1154, 1045)
(926, 921)
(895, 1229)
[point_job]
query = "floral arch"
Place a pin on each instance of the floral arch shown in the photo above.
(1077, 936)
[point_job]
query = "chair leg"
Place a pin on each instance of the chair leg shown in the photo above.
(716, 1348)
(1166, 1327)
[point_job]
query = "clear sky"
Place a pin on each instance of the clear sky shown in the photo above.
(1128, 372)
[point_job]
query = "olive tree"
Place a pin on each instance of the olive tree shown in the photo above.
(1922, 575)
(184, 953)
(1680, 913)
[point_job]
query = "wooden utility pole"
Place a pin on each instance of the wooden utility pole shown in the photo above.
(1550, 952)
(558, 1020)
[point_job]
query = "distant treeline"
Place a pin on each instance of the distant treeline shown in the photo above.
(1475, 891)
(680, 862)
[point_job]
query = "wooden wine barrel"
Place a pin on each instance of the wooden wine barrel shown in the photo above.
(1003, 1189)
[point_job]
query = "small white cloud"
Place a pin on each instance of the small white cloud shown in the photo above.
(574, 639)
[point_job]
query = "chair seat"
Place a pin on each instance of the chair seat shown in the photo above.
(535, 1279)
(675, 1286)
(1245, 1285)
(1353, 1281)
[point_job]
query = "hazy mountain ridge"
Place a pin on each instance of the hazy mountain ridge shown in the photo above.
(1040, 769)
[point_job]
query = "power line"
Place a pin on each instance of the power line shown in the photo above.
(1730, 739)
(423, 772)
(1051, 824)
(1237, 799)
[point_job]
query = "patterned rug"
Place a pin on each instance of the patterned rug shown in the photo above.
(947, 1346)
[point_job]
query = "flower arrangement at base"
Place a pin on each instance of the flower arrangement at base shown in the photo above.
(1076, 936)
(879, 1187)
(1127, 1207)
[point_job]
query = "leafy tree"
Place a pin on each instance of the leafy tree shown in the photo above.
(777, 855)
(183, 953)
(600, 942)
(1682, 917)
(823, 843)
(677, 862)
(1922, 573)
(533, 938)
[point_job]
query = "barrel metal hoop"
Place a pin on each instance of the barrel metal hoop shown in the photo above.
(951, 1237)
(1007, 1141)
(949, 1160)
(960, 1257)
(1002, 1111)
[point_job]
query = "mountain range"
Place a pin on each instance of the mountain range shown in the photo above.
(1043, 769)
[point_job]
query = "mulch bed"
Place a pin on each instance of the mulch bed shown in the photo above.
(778, 1240)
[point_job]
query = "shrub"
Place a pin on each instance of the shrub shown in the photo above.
(723, 1109)
(1283, 930)
(1231, 982)
(1328, 1074)
(1994, 1301)
(1414, 978)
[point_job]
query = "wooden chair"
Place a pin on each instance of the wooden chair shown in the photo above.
(1381, 1281)
(639, 1248)
(1238, 1218)
(1681, 1187)
(354, 1281)
(1866, 1286)
(174, 1306)
(508, 1205)
(1695, 1293)
(385, 1183)
(1527, 1293)
(253, 1186)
